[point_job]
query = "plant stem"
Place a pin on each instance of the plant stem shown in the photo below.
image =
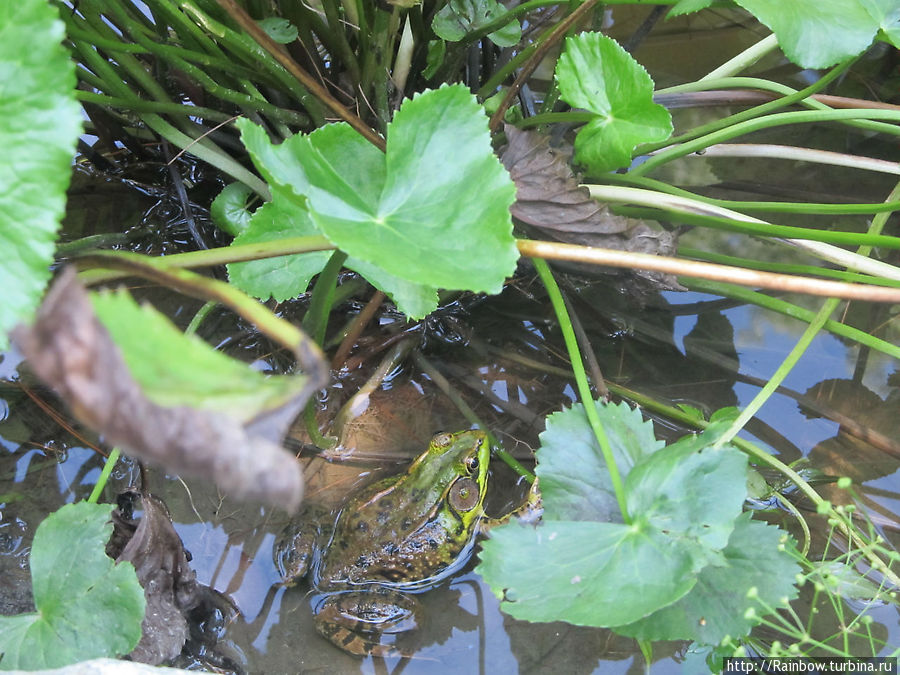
(581, 381)
(745, 59)
(105, 473)
(749, 126)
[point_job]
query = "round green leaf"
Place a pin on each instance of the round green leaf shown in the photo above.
(39, 125)
(717, 606)
(586, 573)
(458, 18)
(820, 33)
(87, 605)
(286, 276)
(574, 480)
(596, 74)
(433, 211)
(229, 209)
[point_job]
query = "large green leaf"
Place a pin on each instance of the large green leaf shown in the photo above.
(433, 210)
(586, 573)
(596, 74)
(39, 125)
(820, 33)
(574, 479)
(178, 370)
(87, 606)
(717, 606)
(683, 501)
(288, 276)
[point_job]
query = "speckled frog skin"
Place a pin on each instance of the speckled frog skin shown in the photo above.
(402, 533)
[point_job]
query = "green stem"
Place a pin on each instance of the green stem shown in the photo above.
(581, 381)
(108, 466)
(745, 59)
(756, 111)
(316, 320)
(749, 126)
(778, 376)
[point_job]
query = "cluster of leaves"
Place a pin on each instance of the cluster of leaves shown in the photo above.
(685, 566)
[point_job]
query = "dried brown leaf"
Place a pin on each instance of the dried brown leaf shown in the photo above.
(550, 198)
(170, 585)
(70, 350)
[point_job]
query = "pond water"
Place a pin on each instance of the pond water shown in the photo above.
(678, 347)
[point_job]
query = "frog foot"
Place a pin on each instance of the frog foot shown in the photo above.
(368, 623)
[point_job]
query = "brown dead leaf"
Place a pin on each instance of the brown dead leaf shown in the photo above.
(69, 349)
(550, 199)
(170, 585)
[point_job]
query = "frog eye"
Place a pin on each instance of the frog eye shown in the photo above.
(464, 495)
(471, 464)
(442, 440)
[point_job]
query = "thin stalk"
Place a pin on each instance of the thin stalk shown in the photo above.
(772, 151)
(751, 125)
(220, 256)
(793, 311)
(581, 381)
(316, 320)
(745, 59)
(105, 473)
(702, 270)
(740, 206)
(814, 101)
(778, 376)
(757, 111)
(786, 268)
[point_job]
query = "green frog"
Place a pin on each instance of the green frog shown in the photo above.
(399, 535)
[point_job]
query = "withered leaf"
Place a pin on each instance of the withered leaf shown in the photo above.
(70, 349)
(547, 193)
(170, 585)
(550, 199)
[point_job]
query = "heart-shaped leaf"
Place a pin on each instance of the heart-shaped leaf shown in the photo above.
(402, 212)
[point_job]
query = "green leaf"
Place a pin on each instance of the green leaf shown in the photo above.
(691, 490)
(280, 30)
(174, 369)
(39, 126)
(717, 605)
(398, 212)
(688, 6)
(286, 276)
(574, 480)
(437, 50)
(87, 606)
(458, 18)
(596, 74)
(821, 33)
(586, 573)
(229, 209)
(683, 501)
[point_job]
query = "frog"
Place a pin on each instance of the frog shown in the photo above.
(391, 540)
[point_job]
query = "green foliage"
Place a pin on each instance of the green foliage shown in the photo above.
(820, 33)
(87, 606)
(229, 209)
(39, 125)
(596, 74)
(458, 18)
(656, 576)
(174, 369)
(408, 225)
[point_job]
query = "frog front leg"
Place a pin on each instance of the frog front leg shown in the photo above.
(368, 622)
